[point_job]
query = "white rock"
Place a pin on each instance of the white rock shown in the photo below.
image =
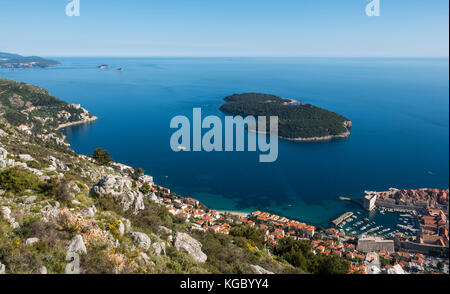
(121, 189)
(55, 164)
(36, 172)
(141, 239)
(159, 248)
(51, 168)
(31, 241)
(2, 269)
(113, 241)
(121, 228)
(185, 243)
(261, 271)
(153, 197)
(165, 230)
(43, 270)
(143, 258)
(89, 212)
(139, 203)
(127, 224)
(77, 245)
(3, 153)
(26, 157)
(29, 199)
(20, 164)
(75, 202)
(6, 212)
(73, 188)
(50, 213)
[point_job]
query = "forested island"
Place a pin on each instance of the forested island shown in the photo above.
(297, 121)
(8, 60)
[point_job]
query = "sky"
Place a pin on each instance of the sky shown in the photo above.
(323, 28)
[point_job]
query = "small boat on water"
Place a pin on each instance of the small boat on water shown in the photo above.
(366, 219)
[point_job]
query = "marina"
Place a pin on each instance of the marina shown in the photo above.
(341, 220)
(381, 222)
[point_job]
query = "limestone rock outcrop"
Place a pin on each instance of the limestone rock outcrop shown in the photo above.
(185, 243)
(121, 189)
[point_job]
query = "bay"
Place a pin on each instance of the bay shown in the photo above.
(399, 109)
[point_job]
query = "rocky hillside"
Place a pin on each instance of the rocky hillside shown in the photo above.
(33, 110)
(59, 210)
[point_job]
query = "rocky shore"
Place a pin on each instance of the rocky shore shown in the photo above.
(91, 119)
(347, 124)
(325, 138)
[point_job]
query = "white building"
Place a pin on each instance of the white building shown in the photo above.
(369, 200)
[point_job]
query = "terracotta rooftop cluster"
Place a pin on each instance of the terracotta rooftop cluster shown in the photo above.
(190, 208)
(433, 228)
(417, 196)
(277, 227)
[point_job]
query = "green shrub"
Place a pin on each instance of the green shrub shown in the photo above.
(17, 180)
(96, 260)
(102, 156)
(298, 254)
(256, 236)
(145, 188)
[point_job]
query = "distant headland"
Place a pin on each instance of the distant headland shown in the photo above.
(8, 60)
(297, 121)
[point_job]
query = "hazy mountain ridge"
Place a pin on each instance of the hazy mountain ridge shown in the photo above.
(8, 60)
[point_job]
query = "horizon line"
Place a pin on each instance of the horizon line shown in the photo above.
(242, 56)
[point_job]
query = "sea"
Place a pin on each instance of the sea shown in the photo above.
(399, 108)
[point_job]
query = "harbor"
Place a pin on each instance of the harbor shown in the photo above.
(381, 222)
(342, 218)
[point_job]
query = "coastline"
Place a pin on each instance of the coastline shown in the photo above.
(291, 101)
(92, 119)
(324, 138)
(347, 124)
(236, 213)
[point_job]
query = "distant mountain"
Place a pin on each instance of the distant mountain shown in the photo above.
(8, 60)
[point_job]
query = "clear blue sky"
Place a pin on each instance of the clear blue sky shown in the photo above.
(406, 28)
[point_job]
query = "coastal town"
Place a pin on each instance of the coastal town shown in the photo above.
(418, 243)
(369, 252)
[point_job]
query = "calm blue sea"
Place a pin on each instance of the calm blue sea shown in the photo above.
(399, 109)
